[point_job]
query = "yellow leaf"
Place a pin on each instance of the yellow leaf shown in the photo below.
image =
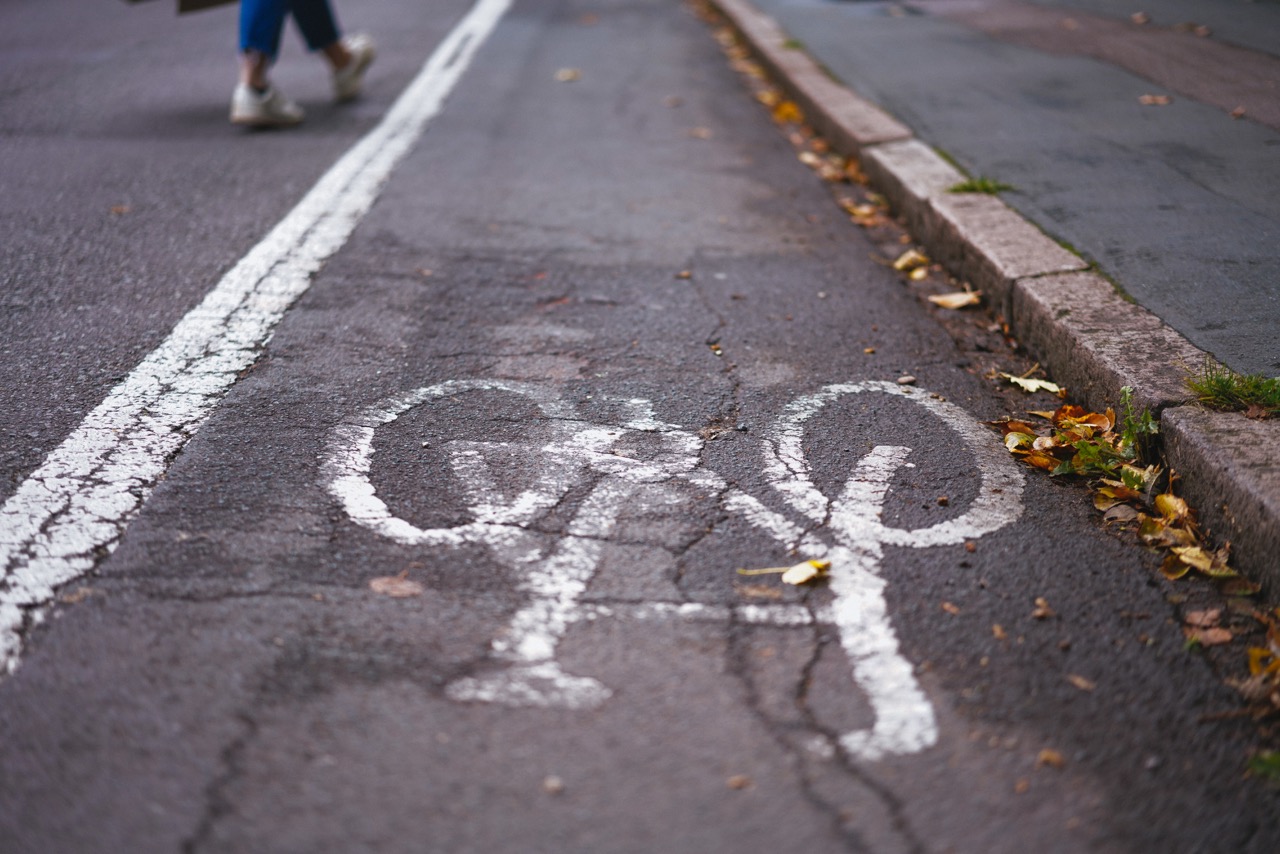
(802, 573)
(1051, 758)
(919, 274)
(1041, 460)
(788, 113)
(958, 299)
(568, 75)
(1194, 556)
(769, 97)
(910, 260)
(1154, 100)
(951, 608)
(1015, 441)
(1258, 660)
(1173, 568)
(1171, 507)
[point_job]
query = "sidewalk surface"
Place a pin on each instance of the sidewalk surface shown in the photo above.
(1155, 221)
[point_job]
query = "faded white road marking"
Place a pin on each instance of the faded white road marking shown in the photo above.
(73, 509)
(553, 575)
(904, 719)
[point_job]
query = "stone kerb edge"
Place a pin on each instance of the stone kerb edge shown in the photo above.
(846, 120)
(1098, 342)
(1231, 475)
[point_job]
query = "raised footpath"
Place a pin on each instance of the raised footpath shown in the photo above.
(1092, 335)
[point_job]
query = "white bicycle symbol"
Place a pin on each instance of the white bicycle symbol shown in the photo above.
(555, 576)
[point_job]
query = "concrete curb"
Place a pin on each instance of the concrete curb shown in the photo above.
(1075, 322)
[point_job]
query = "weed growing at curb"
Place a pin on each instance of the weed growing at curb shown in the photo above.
(1219, 387)
(981, 184)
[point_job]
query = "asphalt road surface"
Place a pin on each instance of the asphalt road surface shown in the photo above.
(426, 538)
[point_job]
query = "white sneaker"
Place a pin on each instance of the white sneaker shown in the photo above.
(347, 80)
(267, 110)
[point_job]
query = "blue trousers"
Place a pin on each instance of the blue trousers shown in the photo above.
(262, 22)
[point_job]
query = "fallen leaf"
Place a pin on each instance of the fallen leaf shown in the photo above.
(1081, 682)
(998, 632)
(1154, 100)
(684, 274)
(738, 782)
(951, 608)
(700, 133)
(1042, 610)
(787, 112)
(568, 75)
(1172, 568)
(1140, 18)
(958, 299)
(803, 573)
(1171, 507)
(1022, 786)
(1051, 758)
(1031, 385)
(800, 573)
(1203, 619)
(1237, 113)
(119, 210)
(906, 379)
(396, 586)
(910, 260)
(1120, 514)
(1208, 637)
(77, 596)
(1241, 587)
(553, 785)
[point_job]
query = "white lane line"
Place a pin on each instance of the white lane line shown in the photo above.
(72, 510)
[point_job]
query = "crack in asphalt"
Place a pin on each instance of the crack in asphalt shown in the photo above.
(217, 804)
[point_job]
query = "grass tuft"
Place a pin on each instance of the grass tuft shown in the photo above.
(1219, 387)
(981, 184)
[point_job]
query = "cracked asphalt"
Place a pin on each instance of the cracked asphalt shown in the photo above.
(226, 679)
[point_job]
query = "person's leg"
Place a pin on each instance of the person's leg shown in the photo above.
(255, 102)
(348, 56)
(318, 25)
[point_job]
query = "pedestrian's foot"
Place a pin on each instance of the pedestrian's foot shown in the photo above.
(348, 79)
(266, 109)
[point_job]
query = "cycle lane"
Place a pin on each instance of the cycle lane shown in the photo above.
(535, 281)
